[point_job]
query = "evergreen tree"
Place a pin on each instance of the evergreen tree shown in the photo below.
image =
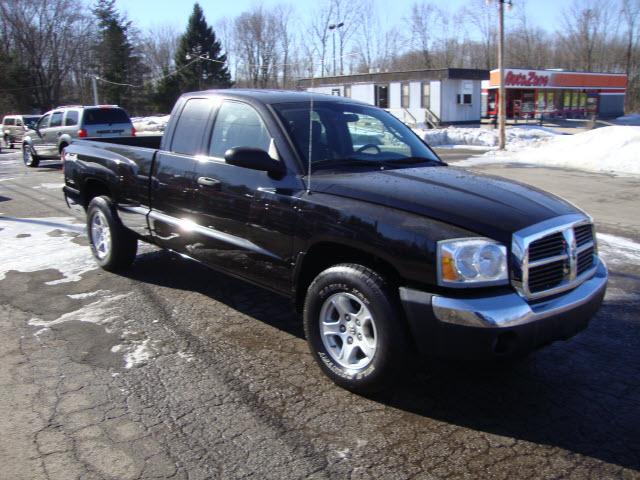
(116, 59)
(200, 41)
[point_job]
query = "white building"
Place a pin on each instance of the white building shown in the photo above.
(434, 96)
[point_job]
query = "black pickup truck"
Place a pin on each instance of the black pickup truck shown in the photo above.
(386, 251)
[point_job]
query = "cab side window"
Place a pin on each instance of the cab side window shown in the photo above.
(71, 119)
(191, 126)
(238, 125)
(56, 119)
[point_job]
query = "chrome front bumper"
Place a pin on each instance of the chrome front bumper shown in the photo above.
(511, 309)
(473, 326)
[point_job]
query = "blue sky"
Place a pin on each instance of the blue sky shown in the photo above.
(148, 13)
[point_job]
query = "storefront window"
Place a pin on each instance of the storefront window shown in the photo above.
(550, 102)
(542, 97)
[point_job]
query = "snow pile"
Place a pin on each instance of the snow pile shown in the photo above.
(609, 149)
(631, 119)
(482, 137)
(150, 124)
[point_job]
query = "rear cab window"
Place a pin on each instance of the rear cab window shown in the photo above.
(104, 116)
(238, 125)
(191, 126)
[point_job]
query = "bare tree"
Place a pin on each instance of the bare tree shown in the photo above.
(424, 17)
(48, 36)
(483, 20)
(319, 33)
(159, 46)
(587, 29)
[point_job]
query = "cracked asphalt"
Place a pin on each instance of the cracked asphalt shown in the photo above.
(175, 371)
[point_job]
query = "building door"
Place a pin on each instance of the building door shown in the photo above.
(382, 96)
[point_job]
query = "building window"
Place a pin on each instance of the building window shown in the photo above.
(347, 91)
(464, 99)
(404, 98)
(425, 101)
(335, 92)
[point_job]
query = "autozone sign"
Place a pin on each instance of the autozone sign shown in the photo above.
(527, 79)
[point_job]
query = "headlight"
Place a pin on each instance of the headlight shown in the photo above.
(472, 262)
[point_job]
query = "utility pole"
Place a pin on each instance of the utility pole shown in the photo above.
(94, 84)
(502, 91)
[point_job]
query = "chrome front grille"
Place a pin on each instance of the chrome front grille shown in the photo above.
(554, 256)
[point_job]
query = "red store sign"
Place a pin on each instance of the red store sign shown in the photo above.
(530, 79)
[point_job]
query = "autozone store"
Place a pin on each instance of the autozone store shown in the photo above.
(557, 93)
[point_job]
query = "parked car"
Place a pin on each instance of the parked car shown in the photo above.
(57, 128)
(383, 248)
(14, 128)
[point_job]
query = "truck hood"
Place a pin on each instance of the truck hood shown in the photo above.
(487, 205)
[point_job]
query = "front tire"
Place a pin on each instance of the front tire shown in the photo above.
(113, 246)
(354, 328)
(29, 156)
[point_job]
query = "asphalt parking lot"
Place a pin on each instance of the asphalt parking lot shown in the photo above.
(174, 371)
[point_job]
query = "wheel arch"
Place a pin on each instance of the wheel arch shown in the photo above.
(93, 187)
(325, 254)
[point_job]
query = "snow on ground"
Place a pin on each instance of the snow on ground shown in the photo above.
(33, 244)
(100, 312)
(156, 123)
(609, 150)
(452, 137)
(618, 250)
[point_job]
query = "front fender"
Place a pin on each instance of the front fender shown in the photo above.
(405, 240)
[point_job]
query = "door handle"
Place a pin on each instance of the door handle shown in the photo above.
(208, 181)
(59, 134)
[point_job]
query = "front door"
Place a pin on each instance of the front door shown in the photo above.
(38, 139)
(245, 217)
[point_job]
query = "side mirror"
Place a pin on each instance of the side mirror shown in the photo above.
(254, 159)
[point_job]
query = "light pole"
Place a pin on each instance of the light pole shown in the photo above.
(501, 91)
(333, 27)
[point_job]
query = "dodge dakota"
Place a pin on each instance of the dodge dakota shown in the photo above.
(387, 252)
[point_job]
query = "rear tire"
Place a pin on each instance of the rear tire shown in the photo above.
(113, 246)
(29, 156)
(354, 328)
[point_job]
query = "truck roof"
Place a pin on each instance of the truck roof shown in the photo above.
(271, 96)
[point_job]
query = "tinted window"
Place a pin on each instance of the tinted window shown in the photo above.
(9, 121)
(98, 116)
(238, 125)
(191, 125)
(71, 118)
(44, 121)
(56, 119)
(337, 131)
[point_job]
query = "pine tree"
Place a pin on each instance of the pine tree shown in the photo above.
(115, 54)
(200, 41)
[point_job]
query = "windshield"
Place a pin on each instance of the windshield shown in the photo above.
(98, 116)
(336, 132)
(30, 121)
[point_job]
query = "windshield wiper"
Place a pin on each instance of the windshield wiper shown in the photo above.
(413, 161)
(346, 162)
